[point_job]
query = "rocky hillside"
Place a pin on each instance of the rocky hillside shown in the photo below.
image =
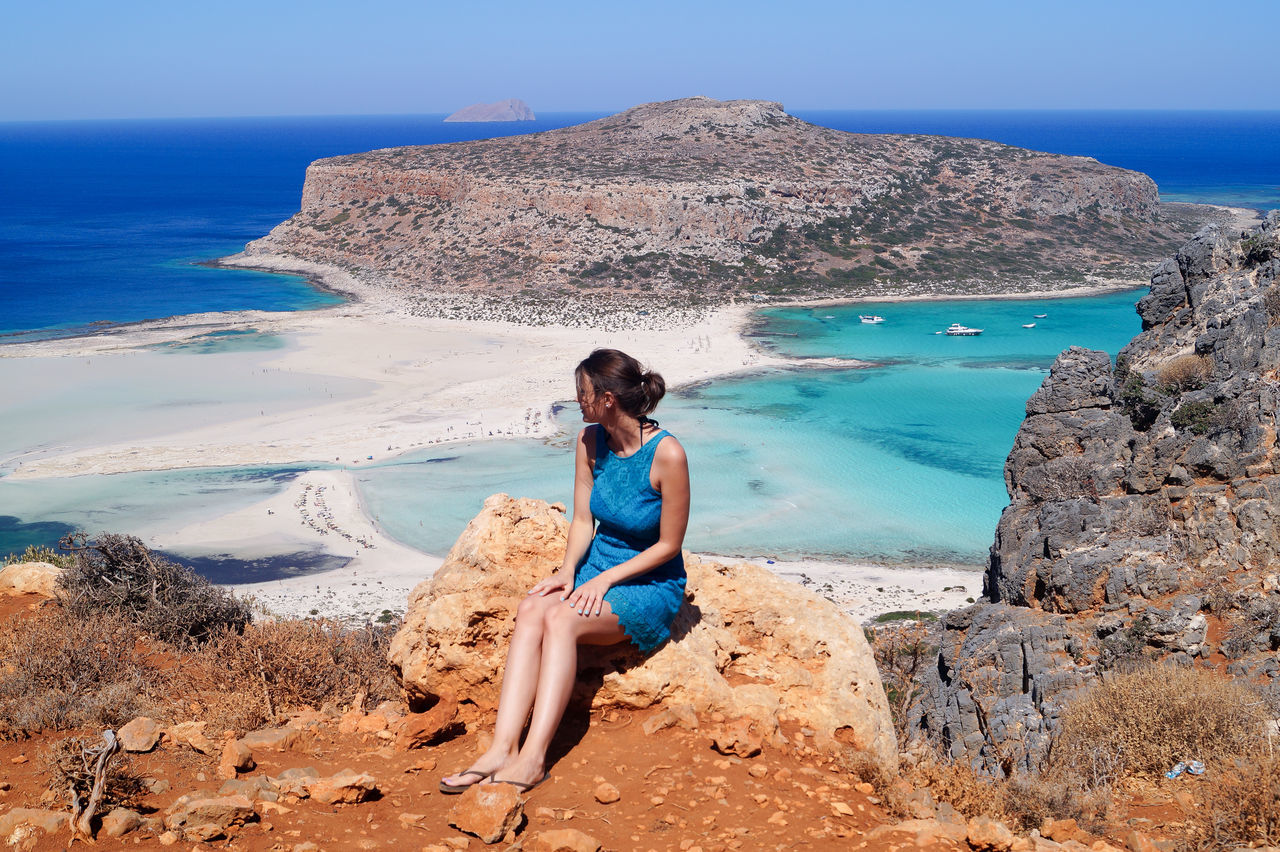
(695, 200)
(1145, 513)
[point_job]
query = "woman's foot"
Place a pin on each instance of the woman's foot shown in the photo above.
(524, 774)
(482, 769)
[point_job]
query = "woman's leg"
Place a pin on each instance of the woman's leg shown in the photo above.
(563, 630)
(520, 678)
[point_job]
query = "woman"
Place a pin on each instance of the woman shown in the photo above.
(622, 580)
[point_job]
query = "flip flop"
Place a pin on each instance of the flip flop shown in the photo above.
(453, 789)
(519, 785)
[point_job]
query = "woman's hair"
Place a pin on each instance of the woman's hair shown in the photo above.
(637, 391)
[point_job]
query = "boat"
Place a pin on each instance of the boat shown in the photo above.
(958, 330)
(871, 318)
(1028, 325)
(1040, 316)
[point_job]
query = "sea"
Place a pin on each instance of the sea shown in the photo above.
(111, 222)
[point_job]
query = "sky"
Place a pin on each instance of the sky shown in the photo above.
(83, 59)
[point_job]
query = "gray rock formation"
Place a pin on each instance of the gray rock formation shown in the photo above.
(1142, 499)
(512, 109)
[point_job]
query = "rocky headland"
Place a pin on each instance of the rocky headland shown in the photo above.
(1145, 513)
(512, 109)
(698, 201)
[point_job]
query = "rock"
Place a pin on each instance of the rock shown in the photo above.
(192, 734)
(120, 821)
(1134, 494)
(739, 737)
(346, 787)
(1061, 830)
(802, 660)
(294, 783)
(988, 835)
(488, 811)
(140, 734)
(50, 822)
(30, 578)
(607, 794)
(1136, 841)
(419, 729)
(679, 715)
(205, 818)
(236, 757)
(272, 739)
(255, 789)
(563, 840)
(168, 838)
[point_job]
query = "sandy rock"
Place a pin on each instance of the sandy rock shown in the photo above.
(26, 578)
(192, 734)
(803, 660)
(120, 822)
(988, 835)
(739, 737)
(679, 715)
(204, 818)
(371, 724)
(1136, 841)
(140, 734)
(293, 784)
(488, 811)
(272, 739)
(925, 832)
(346, 787)
(50, 822)
(236, 757)
(1061, 830)
(562, 840)
(168, 838)
(257, 789)
(419, 729)
(607, 794)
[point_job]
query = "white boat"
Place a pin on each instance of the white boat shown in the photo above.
(1028, 325)
(871, 318)
(958, 330)
(1040, 316)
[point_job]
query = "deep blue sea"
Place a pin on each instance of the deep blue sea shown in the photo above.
(109, 221)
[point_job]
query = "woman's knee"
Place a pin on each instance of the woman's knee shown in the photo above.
(563, 620)
(532, 610)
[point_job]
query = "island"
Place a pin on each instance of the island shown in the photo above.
(512, 109)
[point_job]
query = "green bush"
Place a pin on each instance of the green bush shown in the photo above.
(1194, 417)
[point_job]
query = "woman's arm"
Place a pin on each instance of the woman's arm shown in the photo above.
(670, 476)
(582, 524)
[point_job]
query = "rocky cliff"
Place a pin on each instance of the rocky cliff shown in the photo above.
(512, 109)
(699, 199)
(748, 648)
(1145, 511)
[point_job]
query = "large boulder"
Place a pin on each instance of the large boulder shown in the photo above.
(745, 644)
(1140, 495)
(27, 578)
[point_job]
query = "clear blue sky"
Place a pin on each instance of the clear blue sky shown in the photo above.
(150, 58)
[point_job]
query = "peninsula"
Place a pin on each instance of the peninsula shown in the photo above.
(698, 202)
(512, 109)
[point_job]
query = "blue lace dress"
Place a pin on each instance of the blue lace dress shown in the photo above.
(627, 510)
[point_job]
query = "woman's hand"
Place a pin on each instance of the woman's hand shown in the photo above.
(588, 599)
(559, 581)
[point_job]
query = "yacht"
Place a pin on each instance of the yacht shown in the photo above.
(871, 318)
(1040, 316)
(958, 330)
(1028, 325)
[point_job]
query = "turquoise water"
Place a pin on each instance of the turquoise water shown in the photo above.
(900, 462)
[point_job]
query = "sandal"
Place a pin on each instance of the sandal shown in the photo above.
(453, 789)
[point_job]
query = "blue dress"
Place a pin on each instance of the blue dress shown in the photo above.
(628, 510)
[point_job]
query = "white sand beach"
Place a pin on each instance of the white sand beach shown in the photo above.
(380, 382)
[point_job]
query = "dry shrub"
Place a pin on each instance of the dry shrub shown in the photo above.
(1185, 373)
(902, 650)
(954, 783)
(1239, 806)
(119, 574)
(67, 765)
(61, 672)
(1271, 304)
(1142, 722)
(275, 666)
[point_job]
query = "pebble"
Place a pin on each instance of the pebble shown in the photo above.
(607, 794)
(758, 771)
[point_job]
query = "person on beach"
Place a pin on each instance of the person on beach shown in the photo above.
(623, 574)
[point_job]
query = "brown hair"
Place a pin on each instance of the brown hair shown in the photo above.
(638, 391)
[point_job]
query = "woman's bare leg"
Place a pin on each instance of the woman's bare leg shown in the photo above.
(520, 678)
(564, 629)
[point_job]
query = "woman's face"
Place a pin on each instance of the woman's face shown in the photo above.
(591, 403)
